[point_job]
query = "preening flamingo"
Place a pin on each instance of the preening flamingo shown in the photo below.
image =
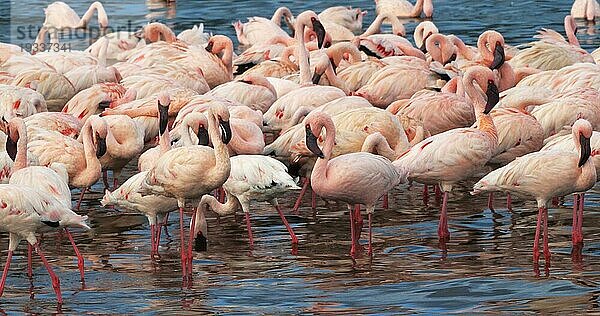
(546, 174)
(259, 30)
(344, 178)
(403, 8)
(252, 177)
(187, 173)
(254, 91)
(347, 17)
(585, 9)
(457, 154)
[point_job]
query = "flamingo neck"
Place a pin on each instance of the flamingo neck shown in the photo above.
(279, 13)
(507, 77)
(409, 50)
(462, 49)
(334, 80)
(305, 77)
(91, 161)
(320, 169)
(227, 59)
(87, 16)
(21, 156)
(417, 9)
(164, 141)
(377, 144)
(571, 32)
(222, 163)
(375, 27)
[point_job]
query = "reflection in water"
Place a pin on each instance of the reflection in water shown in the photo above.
(485, 267)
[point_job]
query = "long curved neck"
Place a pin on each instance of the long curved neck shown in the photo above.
(375, 27)
(164, 141)
(21, 156)
(462, 49)
(87, 16)
(507, 77)
(335, 81)
(89, 150)
(417, 9)
(571, 32)
(227, 59)
(279, 13)
(222, 161)
(299, 115)
(320, 168)
(305, 77)
(211, 202)
(377, 144)
(478, 99)
(185, 136)
(409, 50)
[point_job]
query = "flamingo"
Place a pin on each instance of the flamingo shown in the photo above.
(347, 17)
(535, 174)
(345, 177)
(194, 36)
(253, 91)
(60, 16)
(457, 154)
(25, 211)
(585, 9)
(97, 97)
(80, 159)
(187, 173)
(252, 177)
(403, 8)
(20, 102)
(259, 30)
(53, 86)
(422, 31)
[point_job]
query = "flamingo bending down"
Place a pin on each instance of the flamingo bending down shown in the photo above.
(345, 177)
(252, 177)
(546, 174)
(403, 8)
(585, 9)
(25, 211)
(187, 173)
(456, 154)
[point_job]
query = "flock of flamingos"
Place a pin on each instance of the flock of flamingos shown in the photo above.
(353, 113)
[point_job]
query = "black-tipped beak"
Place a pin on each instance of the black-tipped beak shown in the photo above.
(316, 78)
(451, 59)
(200, 243)
(320, 30)
(423, 48)
(225, 131)
(100, 146)
(163, 118)
(498, 57)
(311, 143)
(104, 105)
(586, 150)
(209, 47)
(493, 97)
(202, 136)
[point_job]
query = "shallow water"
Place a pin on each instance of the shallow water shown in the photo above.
(485, 267)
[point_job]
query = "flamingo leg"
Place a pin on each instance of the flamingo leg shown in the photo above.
(115, 182)
(80, 261)
(443, 231)
(438, 192)
(29, 263)
(300, 196)
(313, 199)
(5, 272)
(508, 202)
(287, 225)
(165, 221)
(536, 249)
(370, 236)
(249, 228)
(358, 223)
(385, 201)
(55, 280)
(425, 194)
(352, 233)
(580, 218)
(546, 248)
(221, 195)
(182, 240)
(575, 226)
(152, 239)
(190, 242)
(105, 179)
(491, 201)
(80, 199)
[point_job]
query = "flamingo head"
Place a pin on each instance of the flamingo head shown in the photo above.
(310, 19)
(314, 124)
(582, 132)
(491, 44)
(422, 32)
(493, 96)
(163, 112)
(440, 48)
(199, 124)
(221, 114)
(100, 131)
(320, 68)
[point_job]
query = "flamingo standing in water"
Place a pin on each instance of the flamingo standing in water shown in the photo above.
(456, 154)
(345, 177)
(546, 174)
(25, 211)
(403, 8)
(252, 177)
(187, 173)
(585, 9)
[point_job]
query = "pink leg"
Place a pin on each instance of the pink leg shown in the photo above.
(115, 182)
(221, 195)
(358, 223)
(287, 225)
(580, 218)
(182, 240)
(536, 242)
(575, 227)
(80, 199)
(443, 231)
(29, 263)
(249, 228)
(508, 201)
(165, 221)
(425, 194)
(55, 280)
(105, 179)
(370, 236)
(438, 192)
(546, 248)
(80, 261)
(385, 201)
(302, 192)
(152, 239)
(352, 234)
(5, 273)
(190, 243)
(491, 201)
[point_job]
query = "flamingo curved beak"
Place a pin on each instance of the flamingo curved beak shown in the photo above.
(225, 131)
(498, 57)
(451, 59)
(320, 30)
(200, 243)
(163, 118)
(316, 77)
(202, 136)
(493, 97)
(586, 150)
(100, 146)
(209, 47)
(311, 143)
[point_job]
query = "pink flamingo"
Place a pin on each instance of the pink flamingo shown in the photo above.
(345, 177)
(585, 9)
(457, 154)
(546, 174)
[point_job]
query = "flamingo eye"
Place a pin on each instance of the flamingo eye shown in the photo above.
(313, 19)
(307, 125)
